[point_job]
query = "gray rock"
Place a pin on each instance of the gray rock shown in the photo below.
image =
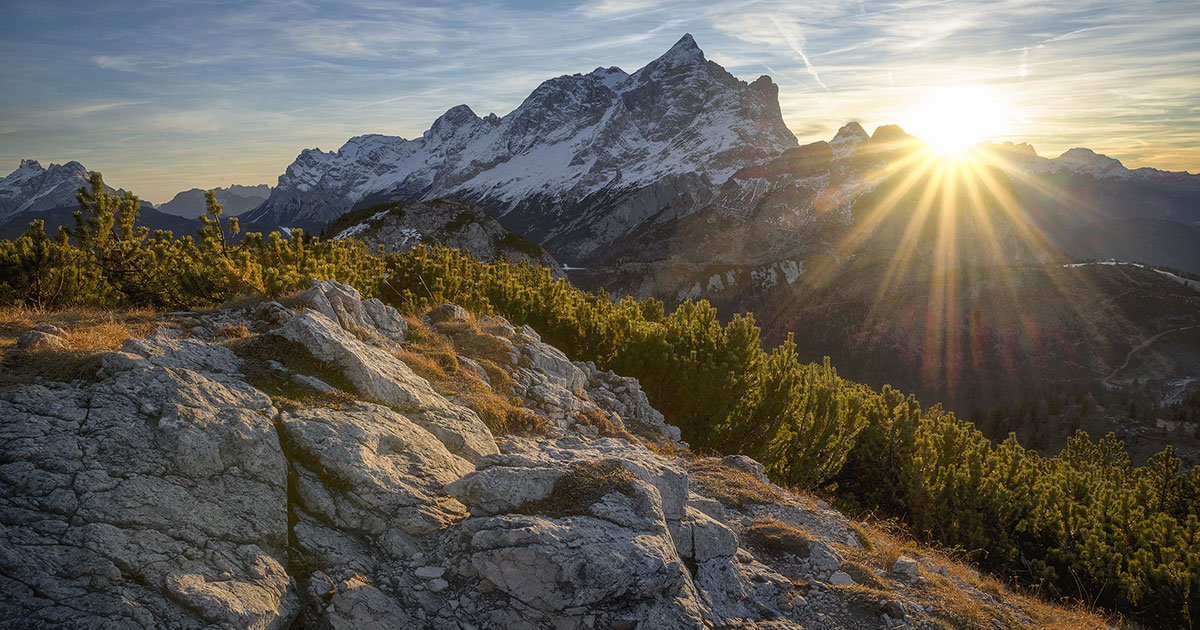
(37, 339)
(823, 559)
(176, 520)
(343, 304)
(379, 376)
(841, 579)
(906, 568)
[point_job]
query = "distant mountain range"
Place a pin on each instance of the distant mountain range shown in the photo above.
(235, 200)
(34, 192)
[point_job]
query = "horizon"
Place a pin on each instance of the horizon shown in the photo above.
(160, 109)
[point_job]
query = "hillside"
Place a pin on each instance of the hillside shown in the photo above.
(402, 225)
(326, 463)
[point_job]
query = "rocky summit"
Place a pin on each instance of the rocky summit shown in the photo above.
(582, 161)
(286, 465)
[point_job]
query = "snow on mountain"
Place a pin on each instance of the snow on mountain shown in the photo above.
(33, 187)
(584, 159)
(1088, 161)
(847, 138)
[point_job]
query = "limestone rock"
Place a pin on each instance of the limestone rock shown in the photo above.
(381, 377)
(343, 304)
(154, 498)
(35, 339)
(371, 470)
(906, 568)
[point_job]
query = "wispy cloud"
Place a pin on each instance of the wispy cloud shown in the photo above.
(172, 95)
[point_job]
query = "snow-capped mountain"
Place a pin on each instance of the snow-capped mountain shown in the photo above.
(234, 200)
(33, 188)
(583, 160)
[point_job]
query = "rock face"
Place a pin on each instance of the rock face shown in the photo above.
(400, 226)
(585, 159)
(172, 491)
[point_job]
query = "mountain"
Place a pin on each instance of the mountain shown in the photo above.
(583, 161)
(401, 225)
(34, 188)
(235, 200)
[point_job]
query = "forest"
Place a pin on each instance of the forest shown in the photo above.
(1084, 524)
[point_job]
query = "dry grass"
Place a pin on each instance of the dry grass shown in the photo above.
(733, 487)
(950, 600)
(584, 485)
(257, 352)
(778, 538)
(606, 426)
(250, 300)
(88, 334)
(434, 356)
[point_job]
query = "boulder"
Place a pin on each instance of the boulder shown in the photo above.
(343, 304)
(906, 568)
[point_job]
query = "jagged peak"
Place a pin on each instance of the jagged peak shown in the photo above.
(685, 51)
(851, 131)
(454, 118)
(30, 164)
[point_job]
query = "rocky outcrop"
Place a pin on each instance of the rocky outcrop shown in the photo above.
(403, 225)
(306, 477)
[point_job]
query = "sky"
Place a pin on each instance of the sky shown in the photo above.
(163, 96)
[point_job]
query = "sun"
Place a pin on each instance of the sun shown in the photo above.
(955, 119)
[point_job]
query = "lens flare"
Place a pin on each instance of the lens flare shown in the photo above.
(954, 119)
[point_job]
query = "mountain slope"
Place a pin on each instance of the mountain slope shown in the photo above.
(235, 200)
(333, 468)
(399, 226)
(583, 160)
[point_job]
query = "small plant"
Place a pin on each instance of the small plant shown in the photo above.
(733, 487)
(776, 537)
(584, 485)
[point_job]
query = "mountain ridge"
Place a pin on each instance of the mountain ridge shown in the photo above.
(678, 126)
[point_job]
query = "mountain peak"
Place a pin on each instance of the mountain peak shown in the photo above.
(684, 51)
(1082, 160)
(847, 138)
(30, 164)
(851, 130)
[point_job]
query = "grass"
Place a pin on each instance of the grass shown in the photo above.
(606, 426)
(949, 600)
(258, 351)
(584, 485)
(88, 334)
(777, 538)
(731, 486)
(432, 352)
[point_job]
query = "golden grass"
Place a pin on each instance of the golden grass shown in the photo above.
(87, 332)
(433, 354)
(777, 538)
(583, 485)
(732, 486)
(947, 599)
